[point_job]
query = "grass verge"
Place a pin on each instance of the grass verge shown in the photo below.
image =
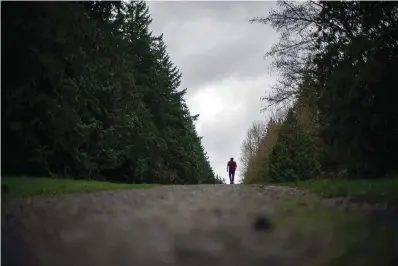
(383, 190)
(23, 187)
(337, 238)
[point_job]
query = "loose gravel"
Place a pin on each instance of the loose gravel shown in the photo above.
(169, 225)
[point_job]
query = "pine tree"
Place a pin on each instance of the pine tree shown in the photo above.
(293, 157)
(89, 92)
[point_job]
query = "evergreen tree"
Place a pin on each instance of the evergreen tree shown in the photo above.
(89, 92)
(293, 157)
(342, 56)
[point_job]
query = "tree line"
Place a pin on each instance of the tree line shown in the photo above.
(89, 92)
(334, 104)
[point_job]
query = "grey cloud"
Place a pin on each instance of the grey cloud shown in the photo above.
(239, 51)
(183, 11)
(223, 61)
(223, 139)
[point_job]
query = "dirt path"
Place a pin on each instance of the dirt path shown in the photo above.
(178, 225)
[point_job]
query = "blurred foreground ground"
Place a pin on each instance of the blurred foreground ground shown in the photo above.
(197, 225)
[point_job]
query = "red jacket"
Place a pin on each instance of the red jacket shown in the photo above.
(231, 166)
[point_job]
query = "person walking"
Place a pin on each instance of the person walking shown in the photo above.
(231, 167)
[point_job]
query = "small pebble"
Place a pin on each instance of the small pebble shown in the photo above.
(217, 211)
(262, 223)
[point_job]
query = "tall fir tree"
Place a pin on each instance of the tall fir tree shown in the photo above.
(89, 92)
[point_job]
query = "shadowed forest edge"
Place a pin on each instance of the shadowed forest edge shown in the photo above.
(334, 114)
(89, 92)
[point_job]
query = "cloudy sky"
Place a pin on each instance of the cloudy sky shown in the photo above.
(220, 55)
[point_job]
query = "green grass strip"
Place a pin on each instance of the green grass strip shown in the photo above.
(370, 190)
(23, 186)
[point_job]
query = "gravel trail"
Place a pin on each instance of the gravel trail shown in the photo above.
(169, 225)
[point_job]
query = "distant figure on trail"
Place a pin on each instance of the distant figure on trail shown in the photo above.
(231, 167)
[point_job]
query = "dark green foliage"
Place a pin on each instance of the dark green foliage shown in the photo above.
(89, 92)
(219, 180)
(357, 94)
(294, 155)
(343, 56)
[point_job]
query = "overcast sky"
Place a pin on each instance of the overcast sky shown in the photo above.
(221, 57)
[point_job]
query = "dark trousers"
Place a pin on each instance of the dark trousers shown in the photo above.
(231, 176)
